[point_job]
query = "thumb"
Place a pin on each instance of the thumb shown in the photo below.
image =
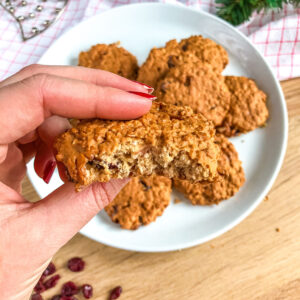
(65, 211)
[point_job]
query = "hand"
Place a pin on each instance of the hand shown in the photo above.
(34, 105)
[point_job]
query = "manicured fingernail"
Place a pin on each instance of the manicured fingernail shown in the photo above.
(149, 88)
(49, 169)
(148, 96)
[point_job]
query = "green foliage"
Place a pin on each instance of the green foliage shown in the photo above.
(238, 11)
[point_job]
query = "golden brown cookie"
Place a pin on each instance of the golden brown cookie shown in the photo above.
(231, 178)
(110, 58)
(198, 86)
(206, 50)
(140, 202)
(158, 63)
(169, 141)
(161, 60)
(248, 107)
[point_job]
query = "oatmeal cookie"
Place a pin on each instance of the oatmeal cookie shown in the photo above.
(206, 50)
(232, 177)
(140, 202)
(194, 48)
(248, 107)
(112, 58)
(198, 86)
(158, 63)
(169, 141)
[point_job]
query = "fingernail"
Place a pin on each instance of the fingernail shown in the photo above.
(49, 169)
(149, 88)
(148, 96)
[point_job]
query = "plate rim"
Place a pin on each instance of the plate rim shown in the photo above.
(279, 162)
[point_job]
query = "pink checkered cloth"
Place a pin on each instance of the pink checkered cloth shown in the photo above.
(276, 34)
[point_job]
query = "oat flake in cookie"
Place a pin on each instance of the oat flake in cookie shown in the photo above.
(112, 58)
(232, 177)
(169, 141)
(140, 202)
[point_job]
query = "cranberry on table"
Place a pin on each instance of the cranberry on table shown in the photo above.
(69, 289)
(39, 287)
(51, 282)
(87, 291)
(76, 264)
(115, 293)
(50, 269)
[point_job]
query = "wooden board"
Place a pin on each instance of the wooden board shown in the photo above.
(259, 259)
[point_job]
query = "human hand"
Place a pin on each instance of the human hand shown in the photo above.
(34, 105)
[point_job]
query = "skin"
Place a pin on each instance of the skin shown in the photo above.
(34, 105)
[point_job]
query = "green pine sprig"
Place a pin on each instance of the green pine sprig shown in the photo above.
(238, 11)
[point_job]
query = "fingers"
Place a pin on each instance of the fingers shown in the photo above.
(12, 169)
(44, 163)
(34, 99)
(28, 150)
(74, 210)
(97, 77)
(28, 138)
(51, 128)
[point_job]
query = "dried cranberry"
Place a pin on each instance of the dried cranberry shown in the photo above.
(76, 264)
(115, 293)
(51, 282)
(87, 291)
(50, 269)
(39, 287)
(36, 297)
(69, 289)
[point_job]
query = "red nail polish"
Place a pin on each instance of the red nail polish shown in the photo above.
(148, 96)
(149, 88)
(49, 169)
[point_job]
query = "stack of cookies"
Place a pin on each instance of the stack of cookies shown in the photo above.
(185, 73)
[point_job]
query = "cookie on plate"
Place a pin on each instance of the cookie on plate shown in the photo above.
(198, 86)
(140, 202)
(248, 107)
(158, 63)
(112, 58)
(232, 177)
(206, 50)
(161, 60)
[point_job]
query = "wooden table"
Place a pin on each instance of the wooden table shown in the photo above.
(258, 259)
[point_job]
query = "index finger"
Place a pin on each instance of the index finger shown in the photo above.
(98, 77)
(25, 105)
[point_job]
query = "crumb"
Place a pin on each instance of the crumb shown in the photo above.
(266, 198)
(176, 200)
(277, 229)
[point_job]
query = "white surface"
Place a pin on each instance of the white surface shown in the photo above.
(139, 28)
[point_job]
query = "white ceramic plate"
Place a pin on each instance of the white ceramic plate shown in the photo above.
(139, 28)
